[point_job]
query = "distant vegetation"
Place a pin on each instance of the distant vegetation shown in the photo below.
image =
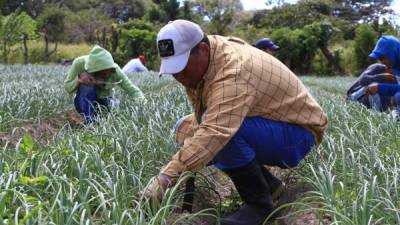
(324, 37)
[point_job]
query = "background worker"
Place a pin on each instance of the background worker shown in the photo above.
(92, 77)
(250, 110)
(136, 65)
(387, 50)
(267, 45)
(375, 73)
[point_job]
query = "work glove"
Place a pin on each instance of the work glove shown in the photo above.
(157, 187)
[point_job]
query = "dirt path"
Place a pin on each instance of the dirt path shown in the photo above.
(41, 131)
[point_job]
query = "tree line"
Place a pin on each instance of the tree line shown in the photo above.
(315, 36)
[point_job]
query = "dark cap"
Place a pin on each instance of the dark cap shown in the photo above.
(266, 43)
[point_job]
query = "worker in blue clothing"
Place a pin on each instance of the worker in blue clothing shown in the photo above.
(267, 45)
(387, 50)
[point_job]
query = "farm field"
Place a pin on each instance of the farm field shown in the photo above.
(54, 171)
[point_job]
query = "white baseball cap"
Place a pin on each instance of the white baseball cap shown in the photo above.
(174, 42)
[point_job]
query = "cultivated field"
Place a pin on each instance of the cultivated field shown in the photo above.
(54, 171)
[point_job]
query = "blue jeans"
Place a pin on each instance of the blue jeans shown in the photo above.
(397, 102)
(86, 102)
(270, 142)
(379, 102)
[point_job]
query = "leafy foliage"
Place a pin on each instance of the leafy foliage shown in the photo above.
(13, 29)
(107, 23)
(84, 25)
(51, 22)
(361, 10)
(293, 16)
(137, 38)
(220, 13)
(365, 40)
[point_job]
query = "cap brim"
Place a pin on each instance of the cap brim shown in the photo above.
(375, 55)
(275, 47)
(176, 64)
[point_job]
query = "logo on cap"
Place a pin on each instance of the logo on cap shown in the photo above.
(166, 47)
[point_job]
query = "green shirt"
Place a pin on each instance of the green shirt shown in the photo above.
(117, 78)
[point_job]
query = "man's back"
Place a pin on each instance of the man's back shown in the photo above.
(134, 66)
(272, 90)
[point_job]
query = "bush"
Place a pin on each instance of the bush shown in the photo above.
(250, 33)
(347, 57)
(297, 48)
(138, 38)
(364, 43)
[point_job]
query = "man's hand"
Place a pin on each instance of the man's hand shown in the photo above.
(157, 187)
(86, 78)
(390, 77)
(373, 89)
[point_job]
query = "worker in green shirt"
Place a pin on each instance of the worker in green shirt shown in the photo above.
(93, 78)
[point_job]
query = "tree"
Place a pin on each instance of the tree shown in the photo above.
(51, 24)
(364, 43)
(32, 7)
(323, 32)
(220, 14)
(123, 10)
(28, 30)
(297, 48)
(82, 26)
(164, 10)
(361, 10)
(9, 6)
(294, 16)
(137, 37)
(187, 12)
(385, 27)
(15, 28)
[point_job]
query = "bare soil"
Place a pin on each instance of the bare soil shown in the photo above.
(224, 193)
(41, 131)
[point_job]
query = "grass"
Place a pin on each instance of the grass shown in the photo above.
(91, 175)
(31, 92)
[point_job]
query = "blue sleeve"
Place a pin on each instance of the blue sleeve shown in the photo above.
(388, 89)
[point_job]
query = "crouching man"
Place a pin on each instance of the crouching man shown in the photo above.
(250, 110)
(93, 78)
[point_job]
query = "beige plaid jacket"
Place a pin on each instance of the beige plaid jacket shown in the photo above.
(241, 81)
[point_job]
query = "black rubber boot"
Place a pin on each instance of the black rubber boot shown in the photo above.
(255, 193)
(276, 186)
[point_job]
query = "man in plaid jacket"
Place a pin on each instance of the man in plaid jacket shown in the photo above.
(250, 110)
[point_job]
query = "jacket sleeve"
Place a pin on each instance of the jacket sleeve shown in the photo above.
(128, 86)
(379, 78)
(388, 89)
(71, 82)
(228, 103)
